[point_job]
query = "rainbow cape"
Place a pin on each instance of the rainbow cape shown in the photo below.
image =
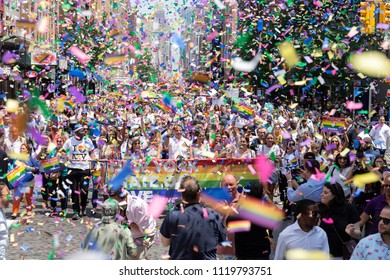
(264, 215)
(52, 165)
(243, 110)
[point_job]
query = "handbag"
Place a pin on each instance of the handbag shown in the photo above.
(347, 247)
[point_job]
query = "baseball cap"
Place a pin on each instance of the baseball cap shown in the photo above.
(78, 127)
(110, 210)
(309, 155)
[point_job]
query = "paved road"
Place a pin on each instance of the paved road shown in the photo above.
(56, 237)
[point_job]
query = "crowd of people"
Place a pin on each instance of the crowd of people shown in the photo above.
(313, 178)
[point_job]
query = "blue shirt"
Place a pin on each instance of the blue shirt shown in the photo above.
(371, 247)
(312, 189)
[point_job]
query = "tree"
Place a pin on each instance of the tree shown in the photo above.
(146, 70)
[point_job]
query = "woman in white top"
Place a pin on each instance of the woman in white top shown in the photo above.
(201, 147)
(341, 171)
(269, 149)
(154, 145)
(243, 150)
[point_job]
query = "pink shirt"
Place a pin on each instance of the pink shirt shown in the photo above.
(137, 212)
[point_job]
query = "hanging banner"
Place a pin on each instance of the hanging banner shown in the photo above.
(162, 176)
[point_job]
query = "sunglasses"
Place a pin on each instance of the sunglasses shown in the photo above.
(386, 186)
(386, 221)
(313, 213)
(342, 158)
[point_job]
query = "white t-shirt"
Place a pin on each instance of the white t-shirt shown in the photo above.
(178, 147)
(79, 151)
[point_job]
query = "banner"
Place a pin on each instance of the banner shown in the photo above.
(162, 176)
(330, 124)
(19, 174)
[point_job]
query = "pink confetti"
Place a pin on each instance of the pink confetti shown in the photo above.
(212, 36)
(352, 157)
(286, 135)
(119, 217)
(251, 169)
(264, 167)
(304, 143)
(272, 88)
(354, 106)
(157, 206)
(327, 220)
(77, 94)
(331, 147)
(81, 56)
(319, 175)
(99, 202)
(205, 214)
(308, 59)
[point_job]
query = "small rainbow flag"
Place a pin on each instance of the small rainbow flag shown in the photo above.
(115, 58)
(96, 178)
(264, 215)
(19, 175)
(163, 86)
(239, 226)
(1, 125)
(52, 165)
(163, 107)
(243, 110)
(26, 24)
(330, 124)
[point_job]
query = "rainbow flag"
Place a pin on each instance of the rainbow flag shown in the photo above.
(163, 107)
(264, 215)
(163, 86)
(2, 127)
(239, 226)
(96, 178)
(52, 165)
(19, 175)
(115, 58)
(243, 110)
(330, 124)
(26, 24)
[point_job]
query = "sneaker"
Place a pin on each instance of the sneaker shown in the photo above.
(62, 213)
(93, 212)
(75, 216)
(83, 213)
(29, 213)
(14, 215)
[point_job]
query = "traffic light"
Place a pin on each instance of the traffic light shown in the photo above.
(384, 15)
(367, 17)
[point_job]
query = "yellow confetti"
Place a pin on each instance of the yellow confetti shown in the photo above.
(12, 106)
(345, 152)
(287, 50)
(12, 238)
(372, 63)
(300, 254)
(21, 156)
(361, 179)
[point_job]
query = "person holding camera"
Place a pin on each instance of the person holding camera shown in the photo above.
(312, 189)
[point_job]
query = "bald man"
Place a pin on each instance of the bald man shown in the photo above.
(231, 184)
